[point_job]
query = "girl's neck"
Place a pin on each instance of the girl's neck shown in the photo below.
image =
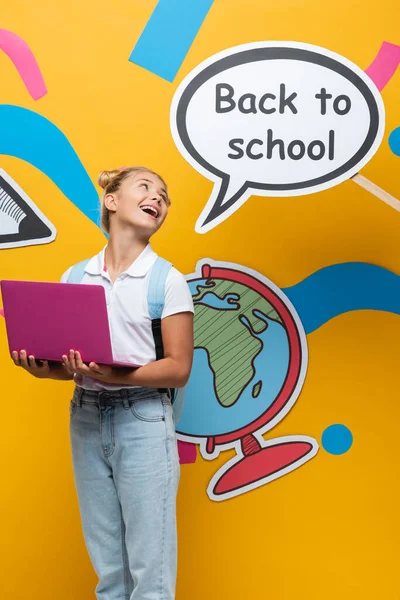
(121, 251)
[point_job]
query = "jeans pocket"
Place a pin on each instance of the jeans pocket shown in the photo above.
(72, 409)
(151, 409)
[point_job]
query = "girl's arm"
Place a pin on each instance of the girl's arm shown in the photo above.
(173, 370)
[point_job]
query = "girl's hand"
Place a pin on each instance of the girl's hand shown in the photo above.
(73, 364)
(39, 369)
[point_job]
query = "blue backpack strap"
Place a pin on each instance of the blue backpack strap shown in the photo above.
(77, 272)
(155, 301)
(156, 289)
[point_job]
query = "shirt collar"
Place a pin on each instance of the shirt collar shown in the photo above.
(139, 268)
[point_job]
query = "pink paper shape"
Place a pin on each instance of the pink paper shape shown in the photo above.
(1, 312)
(187, 453)
(24, 61)
(384, 65)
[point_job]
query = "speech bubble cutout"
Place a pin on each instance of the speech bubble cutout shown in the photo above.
(274, 119)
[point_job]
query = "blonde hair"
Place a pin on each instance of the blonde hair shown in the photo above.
(111, 181)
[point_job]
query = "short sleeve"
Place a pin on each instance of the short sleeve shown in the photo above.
(64, 277)
(178, 298)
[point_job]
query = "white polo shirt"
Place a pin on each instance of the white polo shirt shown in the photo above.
(130, 324)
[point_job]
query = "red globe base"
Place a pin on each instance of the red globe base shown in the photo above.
(264, 464)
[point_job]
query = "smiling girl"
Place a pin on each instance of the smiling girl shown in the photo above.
(123, 438)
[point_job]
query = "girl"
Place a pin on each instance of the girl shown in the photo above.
(123, 439)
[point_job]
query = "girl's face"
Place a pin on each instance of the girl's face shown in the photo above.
(141, 203)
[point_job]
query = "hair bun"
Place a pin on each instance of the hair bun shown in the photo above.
(106, 177)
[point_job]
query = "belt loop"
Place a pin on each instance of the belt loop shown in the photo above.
(79, 394)
(125, 399)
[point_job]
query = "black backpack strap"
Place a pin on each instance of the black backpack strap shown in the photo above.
(155, 299)
(156, 329)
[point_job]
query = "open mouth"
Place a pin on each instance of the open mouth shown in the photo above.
(150, 210)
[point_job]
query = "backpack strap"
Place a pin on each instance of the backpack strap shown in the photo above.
(156, 289)
(77, 272)
(156, 300)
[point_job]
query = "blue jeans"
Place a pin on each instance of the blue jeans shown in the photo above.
(126, 471)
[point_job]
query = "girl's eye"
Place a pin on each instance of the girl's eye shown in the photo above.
(144, 185)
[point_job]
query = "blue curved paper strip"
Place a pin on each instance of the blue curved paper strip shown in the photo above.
(29, 136)
(341, 288)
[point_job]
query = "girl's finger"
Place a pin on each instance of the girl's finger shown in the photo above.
(23, 359)
(78, 360)
(72, 361)
(15, 357)
(66, 363)
(32, 362)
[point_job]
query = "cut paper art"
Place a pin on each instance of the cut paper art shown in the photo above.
(245, 119)
(22, 223)
(24, 61)
(251, 359)
(274, 119)
(161, 53)
(31, 137)
(249, 367)
(384, 65)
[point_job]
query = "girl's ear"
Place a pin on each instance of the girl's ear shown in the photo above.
(110, 202)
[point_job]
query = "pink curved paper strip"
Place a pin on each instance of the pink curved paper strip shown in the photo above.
(24, 61)
(384, 65)
(187, 453)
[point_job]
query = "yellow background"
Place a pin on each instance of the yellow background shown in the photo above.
(328, 530)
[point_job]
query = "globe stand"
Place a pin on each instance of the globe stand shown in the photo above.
(260, 464)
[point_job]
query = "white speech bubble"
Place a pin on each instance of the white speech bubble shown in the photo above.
(274, 119)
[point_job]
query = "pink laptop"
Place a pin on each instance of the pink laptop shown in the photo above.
(49, 319)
